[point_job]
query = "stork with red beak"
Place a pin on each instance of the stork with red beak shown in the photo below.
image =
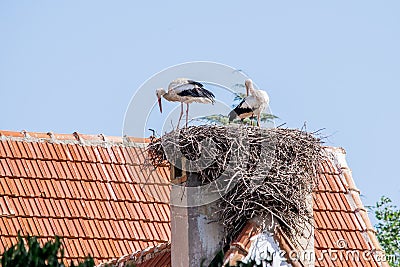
(185, 91)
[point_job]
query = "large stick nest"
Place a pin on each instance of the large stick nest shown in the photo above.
(258, 171)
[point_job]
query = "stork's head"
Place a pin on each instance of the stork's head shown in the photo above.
(159, 93)
(249, 85)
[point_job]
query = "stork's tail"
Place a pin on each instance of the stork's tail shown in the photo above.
(232, 115)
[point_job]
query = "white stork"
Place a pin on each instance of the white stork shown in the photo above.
(251, 105)
(185, 91)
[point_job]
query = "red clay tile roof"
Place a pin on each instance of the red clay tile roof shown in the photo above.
(341, 220)
(86, 189)
(89, 190)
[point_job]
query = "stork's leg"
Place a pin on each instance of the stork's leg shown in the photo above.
(180, 116)
(258, 120)
(187, 114)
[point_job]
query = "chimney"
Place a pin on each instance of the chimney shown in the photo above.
(195, 237)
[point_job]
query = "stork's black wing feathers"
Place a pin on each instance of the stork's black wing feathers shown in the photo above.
(198, 92)
(195, 83)
(207, 94)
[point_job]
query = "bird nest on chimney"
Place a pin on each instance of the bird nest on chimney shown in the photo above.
(258, 172)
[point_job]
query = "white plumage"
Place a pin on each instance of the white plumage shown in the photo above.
(185, 91)
(252, 105)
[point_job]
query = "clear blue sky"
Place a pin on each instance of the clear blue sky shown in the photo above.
(70, 66)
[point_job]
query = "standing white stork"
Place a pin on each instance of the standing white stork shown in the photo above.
(252, 105)
(185, 91)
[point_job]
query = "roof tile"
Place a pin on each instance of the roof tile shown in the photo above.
(14, 149)
(5, 187)
(38, 152)
(21, 149)
(3, 151)
(47, 151)
(6, 168)
(29, 150)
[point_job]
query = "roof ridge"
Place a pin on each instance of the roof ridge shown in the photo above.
(74, 138)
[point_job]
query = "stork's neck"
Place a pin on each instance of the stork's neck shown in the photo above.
(169, 96)
(252, 91)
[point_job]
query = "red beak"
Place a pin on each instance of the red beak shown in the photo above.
(247, 91)
(159, 103)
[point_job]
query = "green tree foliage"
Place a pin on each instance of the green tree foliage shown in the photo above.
(388, 228)
(220, 119)
(29, 253)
